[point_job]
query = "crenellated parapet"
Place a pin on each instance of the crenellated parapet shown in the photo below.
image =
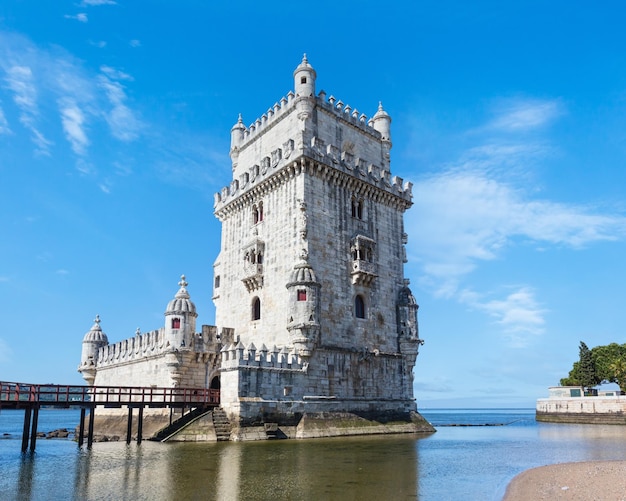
(155, 344)
(237, 355)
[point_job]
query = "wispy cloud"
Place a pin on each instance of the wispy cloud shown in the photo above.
(519, 314)
(73, 120)
(95, 3)
(122, 121)
(81, 17)
(135, 43)
(4, 124)
(34, 77)
(474, 209)
(523, 114)
(19, 79)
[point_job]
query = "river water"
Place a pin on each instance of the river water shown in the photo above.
(457, 462)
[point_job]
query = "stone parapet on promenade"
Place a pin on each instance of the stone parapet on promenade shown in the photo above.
(586, 410)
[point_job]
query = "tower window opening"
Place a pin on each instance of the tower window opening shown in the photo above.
(257, 213)
(359, 307)
(303, 80)
(217, 281)
(357, 208)
(256, 309)
(301, 295)
(175, 323)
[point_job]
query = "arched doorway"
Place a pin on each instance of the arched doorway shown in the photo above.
(215, 383)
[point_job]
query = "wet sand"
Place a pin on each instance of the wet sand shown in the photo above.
(587, 481)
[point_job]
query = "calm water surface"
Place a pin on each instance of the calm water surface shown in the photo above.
(457, 462)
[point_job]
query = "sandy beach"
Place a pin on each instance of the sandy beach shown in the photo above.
(586, 481)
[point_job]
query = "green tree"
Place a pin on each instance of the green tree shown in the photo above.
(587, 374)
(618, 368)
(606, 356)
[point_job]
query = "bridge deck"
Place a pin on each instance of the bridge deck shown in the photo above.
(23, 395)
(31, 397)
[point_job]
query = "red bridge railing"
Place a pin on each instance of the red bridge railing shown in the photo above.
(16, 395)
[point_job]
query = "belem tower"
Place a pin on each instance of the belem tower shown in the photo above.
(316, 328)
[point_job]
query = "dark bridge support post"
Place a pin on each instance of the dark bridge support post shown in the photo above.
(92, 418)
(33, 433)
(139, 425)
(129, 426)
(26, 429)
(81, 428)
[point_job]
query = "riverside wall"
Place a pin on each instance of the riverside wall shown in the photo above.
(585, 410)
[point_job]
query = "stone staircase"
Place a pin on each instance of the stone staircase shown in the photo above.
(221, 424)
(180, 423)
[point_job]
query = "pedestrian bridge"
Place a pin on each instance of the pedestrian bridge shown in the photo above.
(31, 397)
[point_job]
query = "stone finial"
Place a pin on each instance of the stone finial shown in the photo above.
(97, 320)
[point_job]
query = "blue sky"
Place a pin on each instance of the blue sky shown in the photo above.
(508, 117)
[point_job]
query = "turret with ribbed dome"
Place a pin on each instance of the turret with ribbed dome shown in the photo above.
(304, 307)
(381, 121)
(180, 318)
(94, 339)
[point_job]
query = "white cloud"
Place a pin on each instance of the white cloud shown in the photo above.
(135, 43)
(483, 204)
(33, 77)
(121, 119)
(4, 124)
(73, 120)
(95, 3)
(62, 272)
(519, 314)
(4, 279)
(81, 17)
(20, 81)
(524, 114)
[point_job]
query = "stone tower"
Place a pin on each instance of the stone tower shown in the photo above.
(310, 272)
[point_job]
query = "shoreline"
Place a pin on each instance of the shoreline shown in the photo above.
(605, 480)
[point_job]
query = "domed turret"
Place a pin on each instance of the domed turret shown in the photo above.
(92, 342)
(381, 121)
(304, 305)
(236, 138)
(180, 318)
(304, 79)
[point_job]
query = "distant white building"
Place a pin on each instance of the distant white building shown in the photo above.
(314, 319)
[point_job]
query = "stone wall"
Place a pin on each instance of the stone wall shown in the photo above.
(589, 410)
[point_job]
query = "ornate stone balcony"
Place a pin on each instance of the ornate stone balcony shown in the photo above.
(363, 272)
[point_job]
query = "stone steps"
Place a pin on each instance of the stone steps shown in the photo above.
(221, 424)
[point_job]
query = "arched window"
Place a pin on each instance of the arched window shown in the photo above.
(256, 309)
(359, 307)
(175, 323)
(260, 211)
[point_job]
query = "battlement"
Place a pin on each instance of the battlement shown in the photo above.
(286, 103)
(154, 343)
(234, 356)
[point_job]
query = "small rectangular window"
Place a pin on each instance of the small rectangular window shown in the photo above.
(217, 281)
(301, 295)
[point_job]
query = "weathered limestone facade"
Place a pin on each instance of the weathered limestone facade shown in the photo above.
(313, 314)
